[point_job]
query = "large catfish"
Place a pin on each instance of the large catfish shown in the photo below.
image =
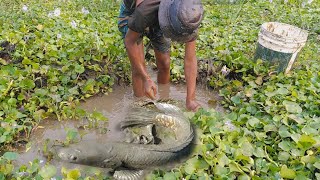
(135, 156)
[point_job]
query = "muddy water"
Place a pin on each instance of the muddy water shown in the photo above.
(113, 106)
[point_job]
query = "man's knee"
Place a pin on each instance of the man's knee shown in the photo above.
(163, 63)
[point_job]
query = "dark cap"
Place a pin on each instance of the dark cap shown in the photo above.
(179, 19)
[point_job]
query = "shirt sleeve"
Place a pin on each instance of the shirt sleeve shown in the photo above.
(136, 22)
(144, 15)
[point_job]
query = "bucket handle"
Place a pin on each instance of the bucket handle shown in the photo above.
(293, 57)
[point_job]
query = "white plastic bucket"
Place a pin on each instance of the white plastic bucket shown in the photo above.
(280, 43)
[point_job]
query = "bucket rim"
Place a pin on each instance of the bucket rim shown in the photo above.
(302, 37)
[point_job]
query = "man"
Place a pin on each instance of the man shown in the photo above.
(160, 21)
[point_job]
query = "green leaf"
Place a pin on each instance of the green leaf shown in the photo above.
(308, 159)
(295, 137)
(286, 145)
(270, 127)
(40, 55)
(307, 138)
(244, 177)
(202, 164)
(10, 156)
(309, 130)
(236, 100)
(98, 116)
(259, 152)
(283, 132)
(284, 156)
(232, 116)
(71, 134)
(74, 90)
(253, 121)
(234, 167)
(48, 171)
(41, 92)
(169, 176)
(223, 160)
(27, 84)
(190, 166)
(3, 139)
(294, 117)
(306, 141)
(287, 173)
(12, 101)
(296, 152)
(89, 86)
(292, 107)
(317, 165)
(282, 91)
(79, 69)
(214, 130)
(247, 149)
(73, 174)
(219, 170)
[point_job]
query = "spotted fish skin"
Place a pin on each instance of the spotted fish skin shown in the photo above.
(128, 175)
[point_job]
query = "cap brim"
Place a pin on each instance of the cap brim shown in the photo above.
(164, 16)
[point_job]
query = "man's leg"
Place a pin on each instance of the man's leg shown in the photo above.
(163, 76)
(163, 66)
(161, 46)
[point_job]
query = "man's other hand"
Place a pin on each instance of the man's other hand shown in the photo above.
(193, 106)
(150, 89)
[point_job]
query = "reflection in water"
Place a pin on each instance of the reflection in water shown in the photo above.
(114, 106)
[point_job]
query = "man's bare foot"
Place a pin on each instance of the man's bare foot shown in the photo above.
(193, 106)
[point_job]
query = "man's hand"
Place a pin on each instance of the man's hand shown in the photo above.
(150, 89)
(193, 106)
(190, 71)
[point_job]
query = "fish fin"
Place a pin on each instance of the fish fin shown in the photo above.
(143, 116)
(138, 117)
(135, 123)
(110, 163)
(168, 108)
(128, 174)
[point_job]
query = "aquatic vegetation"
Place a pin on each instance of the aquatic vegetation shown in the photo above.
(270, 129)
(57, 53)
(53, 55)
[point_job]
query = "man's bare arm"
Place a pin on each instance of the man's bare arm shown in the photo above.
(142, 84)
(190, 69)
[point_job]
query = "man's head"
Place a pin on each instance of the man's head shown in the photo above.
(179, 19)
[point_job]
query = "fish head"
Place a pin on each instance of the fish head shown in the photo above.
(82, 154)
(70, 154)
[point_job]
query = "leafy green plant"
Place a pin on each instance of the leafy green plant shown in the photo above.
(54, 55)
(270, 129)
(57, 53)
